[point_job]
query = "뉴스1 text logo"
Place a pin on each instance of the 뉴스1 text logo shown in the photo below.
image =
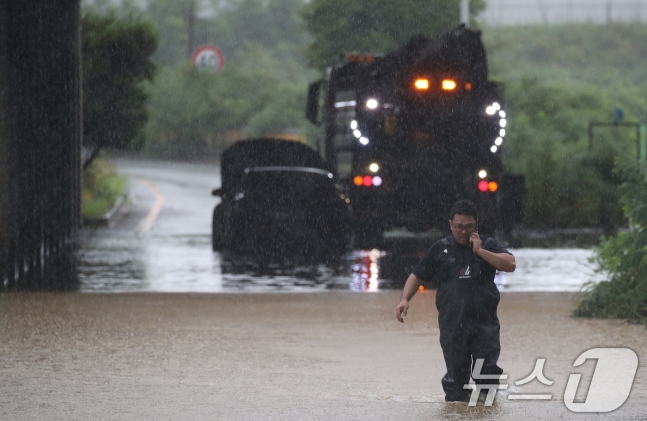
(610, 386)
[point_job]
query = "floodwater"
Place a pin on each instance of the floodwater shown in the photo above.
(187, 264)
(160, 242)
(325, 356)
(276, 356)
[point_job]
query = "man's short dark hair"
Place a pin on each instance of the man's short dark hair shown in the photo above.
(464, 207)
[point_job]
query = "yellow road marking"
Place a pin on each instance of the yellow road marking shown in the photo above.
(147, 222)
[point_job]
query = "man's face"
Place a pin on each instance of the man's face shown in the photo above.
(462, 227)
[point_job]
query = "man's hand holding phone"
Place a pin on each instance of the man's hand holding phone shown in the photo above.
(475, 241)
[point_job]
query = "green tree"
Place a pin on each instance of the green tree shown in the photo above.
(265, 23)
(171, 18)
(342, 26)
(116, 62)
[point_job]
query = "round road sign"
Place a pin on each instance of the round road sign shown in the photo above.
(208, 58)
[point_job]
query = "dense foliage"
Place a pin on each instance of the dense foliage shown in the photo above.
(559, 79)
(116, 62)
(623, 257)
(342, 26)
(193, 113)
(260, 91)
(232, 25)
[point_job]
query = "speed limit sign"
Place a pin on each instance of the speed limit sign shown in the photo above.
(208, 59)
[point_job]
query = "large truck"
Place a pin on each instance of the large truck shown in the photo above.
(408, 133)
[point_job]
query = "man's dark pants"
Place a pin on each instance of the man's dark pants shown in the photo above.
(469, 330)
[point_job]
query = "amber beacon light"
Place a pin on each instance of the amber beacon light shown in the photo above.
(421, 84)
(449, 85)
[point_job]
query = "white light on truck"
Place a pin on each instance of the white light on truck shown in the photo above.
(372, 103)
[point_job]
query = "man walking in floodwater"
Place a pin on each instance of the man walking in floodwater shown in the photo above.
(463, 266)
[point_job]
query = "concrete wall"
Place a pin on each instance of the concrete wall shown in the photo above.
(40, 136)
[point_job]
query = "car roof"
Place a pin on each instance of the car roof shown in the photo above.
(265, 152)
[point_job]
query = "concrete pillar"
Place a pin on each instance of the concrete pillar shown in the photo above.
(40, 131)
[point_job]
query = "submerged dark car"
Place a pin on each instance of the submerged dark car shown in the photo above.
(278, 201)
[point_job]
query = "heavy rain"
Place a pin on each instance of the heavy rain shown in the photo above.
(323, 209)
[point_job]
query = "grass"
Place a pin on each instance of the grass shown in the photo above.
(102, 186)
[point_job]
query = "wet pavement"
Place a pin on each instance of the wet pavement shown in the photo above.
(161, 242)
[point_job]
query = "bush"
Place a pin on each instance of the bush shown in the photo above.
(101, 188)
(623, 257)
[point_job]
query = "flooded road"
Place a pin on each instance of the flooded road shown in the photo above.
(266, 356)
(175, 353)
(161, 242)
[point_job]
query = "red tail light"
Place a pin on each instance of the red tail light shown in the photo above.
(483, 185)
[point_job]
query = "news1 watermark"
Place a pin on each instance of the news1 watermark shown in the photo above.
(610, 386)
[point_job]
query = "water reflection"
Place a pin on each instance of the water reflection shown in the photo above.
(185, 263)
(113, 263)
(57, 274)
(366, 270)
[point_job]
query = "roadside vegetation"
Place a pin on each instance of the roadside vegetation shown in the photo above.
(559, 79)
(623, 257)
(260, 90)
(102, 186)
